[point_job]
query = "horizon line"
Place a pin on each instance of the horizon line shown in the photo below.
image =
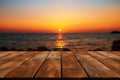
(53, 32)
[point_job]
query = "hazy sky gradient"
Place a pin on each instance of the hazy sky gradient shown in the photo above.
(50, 15)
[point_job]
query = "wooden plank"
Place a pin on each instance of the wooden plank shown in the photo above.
(5, 53)
(83, 52)
(30, 67)
(110, 63)
(10, 56)
(7, 67)
(94, 68)
(115, 52)
(110, 55)
(51, 67)
(71, 67)
(80, 52)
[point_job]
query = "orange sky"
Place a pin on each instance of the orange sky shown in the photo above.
(50, 15)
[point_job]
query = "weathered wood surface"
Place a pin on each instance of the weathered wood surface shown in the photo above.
(94, 68)
(51, 67)
(13, 63)
(114, 52)
(71, 67)
(56, 64)
(110, 63)
(9, 56)
(30, 67)
(2, 54)
(110, 55)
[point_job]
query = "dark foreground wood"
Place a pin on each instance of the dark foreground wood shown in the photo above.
(60, 64)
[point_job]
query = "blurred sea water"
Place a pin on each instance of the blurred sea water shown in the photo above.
(71, 40)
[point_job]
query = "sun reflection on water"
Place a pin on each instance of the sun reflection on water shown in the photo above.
(60, 43)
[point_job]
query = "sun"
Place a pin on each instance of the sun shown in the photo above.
(60, 30)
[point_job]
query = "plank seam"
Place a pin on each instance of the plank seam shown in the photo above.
(102, 63)
(109, 57)
(61, 75)
(11, 57)
(81, 65)
(41, 65)
(5, 55)
(18, 66)
(114, 52)
(10, 52)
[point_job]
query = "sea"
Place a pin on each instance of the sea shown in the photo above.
(77, 41)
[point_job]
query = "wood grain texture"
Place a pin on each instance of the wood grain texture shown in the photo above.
(11, 55)
(71, 67)
(7, 67)
(114, 52)
(51, 68)
(110, 63)
(94, 68)
(57, 64)
(5, 53)
(30, 67)
(110, 55)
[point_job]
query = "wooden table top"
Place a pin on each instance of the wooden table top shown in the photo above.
(59, 64)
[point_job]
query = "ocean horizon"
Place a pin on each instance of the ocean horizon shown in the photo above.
(81, 41)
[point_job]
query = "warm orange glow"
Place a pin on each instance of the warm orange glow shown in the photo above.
(60, 44)
(60, 30)
(60, 36)
(46, 17)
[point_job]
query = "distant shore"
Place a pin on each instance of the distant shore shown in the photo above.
(116, 32)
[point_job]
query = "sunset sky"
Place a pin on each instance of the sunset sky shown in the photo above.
(51, 15)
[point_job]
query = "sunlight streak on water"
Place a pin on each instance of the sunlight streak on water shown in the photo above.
(60, 43)
(74, 41)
